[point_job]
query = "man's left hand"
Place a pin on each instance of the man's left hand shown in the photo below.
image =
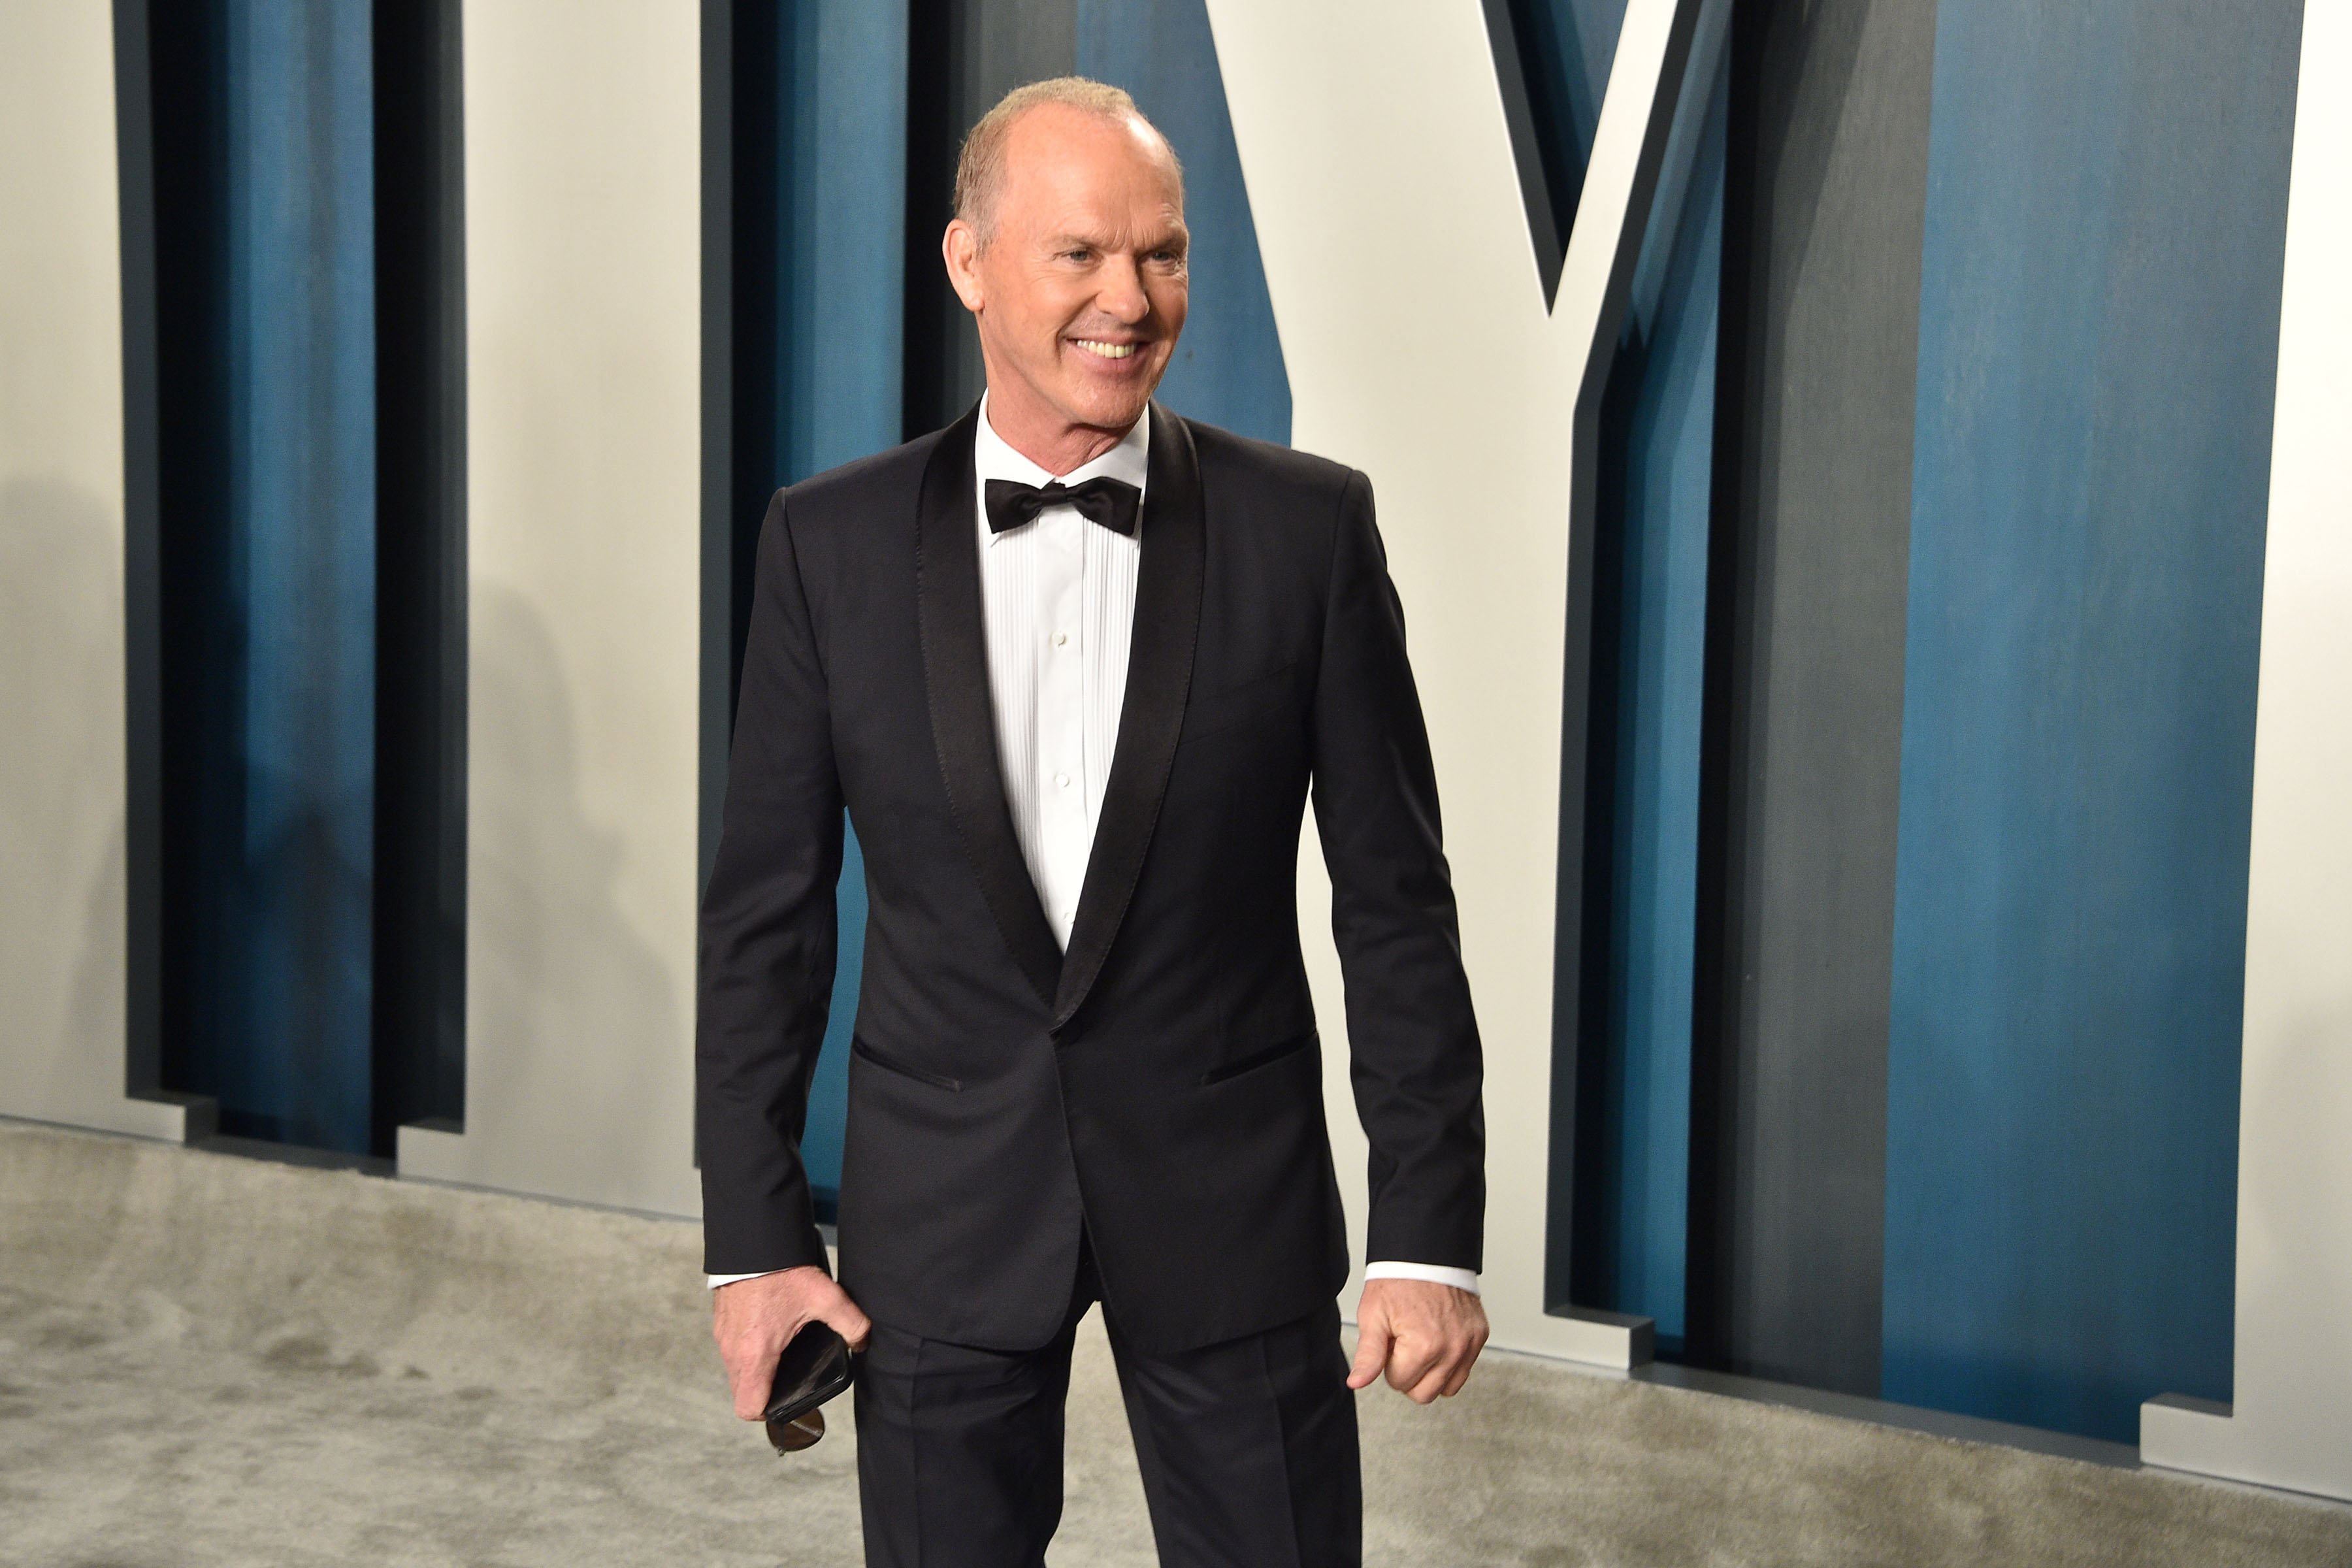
(1426, 1335)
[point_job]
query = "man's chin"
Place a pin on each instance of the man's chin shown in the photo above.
(1110, 391)
(1110, 409)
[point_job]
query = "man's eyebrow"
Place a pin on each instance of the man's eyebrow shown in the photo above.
(1174, 239)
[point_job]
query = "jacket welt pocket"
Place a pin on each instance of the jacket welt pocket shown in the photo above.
(857, 1047)
(1256, 1059)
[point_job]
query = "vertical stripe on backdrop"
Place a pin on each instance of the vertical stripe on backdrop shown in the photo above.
(421, 595)
(1826, 173)
(274, 666)
(821, 120)
(2098, 338)
(301, 307)
(1634, 1061)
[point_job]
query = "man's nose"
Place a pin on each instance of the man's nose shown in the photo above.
(1123, 295)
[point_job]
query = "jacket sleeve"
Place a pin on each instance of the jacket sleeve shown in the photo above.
(768, 936)
(1413, 1040)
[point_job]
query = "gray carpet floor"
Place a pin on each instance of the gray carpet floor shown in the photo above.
(207, 1360)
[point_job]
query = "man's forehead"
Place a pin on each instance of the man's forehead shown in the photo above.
(1043, 126)
(1094, 211)
(1055, 148)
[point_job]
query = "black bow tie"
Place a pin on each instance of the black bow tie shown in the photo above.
(1106, 501)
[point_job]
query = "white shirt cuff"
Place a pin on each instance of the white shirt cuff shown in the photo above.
(1436, 1273)
(719, 1280)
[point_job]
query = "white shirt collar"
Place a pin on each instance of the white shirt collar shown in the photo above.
(994, 459)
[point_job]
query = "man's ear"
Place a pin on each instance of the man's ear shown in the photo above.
(960, 248)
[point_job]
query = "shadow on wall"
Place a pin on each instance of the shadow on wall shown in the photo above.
(577, 1028)
(62, 792)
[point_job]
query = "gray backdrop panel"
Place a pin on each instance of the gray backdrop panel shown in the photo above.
(1823, 505)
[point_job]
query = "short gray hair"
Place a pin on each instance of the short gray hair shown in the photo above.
(980, 169)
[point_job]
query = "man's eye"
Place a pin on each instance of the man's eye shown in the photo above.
(1080, 255)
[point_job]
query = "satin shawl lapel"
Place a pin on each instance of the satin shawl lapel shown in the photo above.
(964, 722)
(1159, 678)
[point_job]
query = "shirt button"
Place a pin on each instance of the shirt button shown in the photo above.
(1061, 639)
(1061, 779)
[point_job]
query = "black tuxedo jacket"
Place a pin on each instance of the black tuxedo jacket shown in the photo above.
(1161, 1084)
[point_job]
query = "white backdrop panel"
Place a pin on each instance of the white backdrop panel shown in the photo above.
(584, 327)
(62, 763)
(2289, 1424)
(1413, 324)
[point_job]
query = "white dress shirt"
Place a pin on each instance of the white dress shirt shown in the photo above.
(1057, 598)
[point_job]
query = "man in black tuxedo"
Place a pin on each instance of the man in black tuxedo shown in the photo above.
(1073, 666)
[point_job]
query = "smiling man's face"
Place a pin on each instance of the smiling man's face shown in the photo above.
(1079, 287)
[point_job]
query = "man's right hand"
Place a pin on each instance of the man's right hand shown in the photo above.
(754, 1320)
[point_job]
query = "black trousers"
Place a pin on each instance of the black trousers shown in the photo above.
(1247, 1448)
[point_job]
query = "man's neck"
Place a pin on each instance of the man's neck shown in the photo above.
(1052, 443)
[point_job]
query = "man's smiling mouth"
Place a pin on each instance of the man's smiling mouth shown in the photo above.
(1102, 350)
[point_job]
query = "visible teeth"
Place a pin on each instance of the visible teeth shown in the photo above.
(1108, 351)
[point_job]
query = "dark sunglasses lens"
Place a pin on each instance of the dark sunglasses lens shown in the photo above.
(801, 1432)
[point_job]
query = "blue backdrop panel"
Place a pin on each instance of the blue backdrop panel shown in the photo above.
(278, 1023)
(1659, 425)
(1640, 854)
(1228, 369)
(841, 217)
(2099, 310)
(840, 204)
(1566, 48)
